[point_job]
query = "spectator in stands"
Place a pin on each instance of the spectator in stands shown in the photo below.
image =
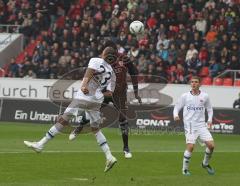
(211, 36)
(197, 40)
(30, 74)
(234, 63)
(182, 52)
(163, 52)
(152, 73)
(162, 40)
(213, 53)
(235, 50)
(192, 51)
(211, 4)
(152, 21)
(180, 74)
(66, 57)
(26, 67)
(44, 70)
(132, 4)
(27, 26)
(183, 15)
(13, 68)
(223, 65)
(201, 25)
(142, 65)
(193, 65)
(53, 71)
(203, 55)
(213, 67)
(52, 9)
(143, 7)
(172, 54)
(225, 53)
(224, 41)
(2, 9)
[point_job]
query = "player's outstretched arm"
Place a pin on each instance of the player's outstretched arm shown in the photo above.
(132, 70)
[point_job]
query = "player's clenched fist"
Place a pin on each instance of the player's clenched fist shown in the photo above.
(209, 125)
(176, 118)
(85, 90)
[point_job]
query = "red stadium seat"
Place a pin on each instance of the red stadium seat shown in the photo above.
(237, 82)
(206, 81)
(218, 81)
(227, 82)
(20, 57)
(204, 72)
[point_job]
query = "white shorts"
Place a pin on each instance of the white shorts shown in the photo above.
(202, 133)
(92, 110)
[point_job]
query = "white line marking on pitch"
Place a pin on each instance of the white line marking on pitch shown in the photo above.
(165, 151)
(80, 179)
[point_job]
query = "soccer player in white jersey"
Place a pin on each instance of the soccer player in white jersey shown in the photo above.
(89, 98)
(194, 104)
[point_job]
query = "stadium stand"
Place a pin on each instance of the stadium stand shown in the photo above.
(182, 38)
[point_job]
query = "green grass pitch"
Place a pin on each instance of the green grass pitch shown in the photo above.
(157, 160)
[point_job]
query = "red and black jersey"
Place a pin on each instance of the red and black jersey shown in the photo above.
(121, 68)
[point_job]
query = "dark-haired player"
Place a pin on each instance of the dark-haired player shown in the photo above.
(89, 98)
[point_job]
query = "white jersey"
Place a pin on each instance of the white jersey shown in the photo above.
(194, 109)
(103, 77)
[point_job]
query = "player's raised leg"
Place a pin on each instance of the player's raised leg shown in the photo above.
(53, 131)
(62, 121)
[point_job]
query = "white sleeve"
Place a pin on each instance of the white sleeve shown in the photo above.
(178, 106)
(188, 55)
(209, 109)
(111, 85)
(93, 64)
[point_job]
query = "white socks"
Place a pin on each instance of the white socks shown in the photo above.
(207, 156)
(54, 130)
(186, 159)
(101, 140)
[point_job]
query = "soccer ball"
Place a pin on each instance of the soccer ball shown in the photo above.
(136, 27)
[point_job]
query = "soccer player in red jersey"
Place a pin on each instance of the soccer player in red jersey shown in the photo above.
(121, 67)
